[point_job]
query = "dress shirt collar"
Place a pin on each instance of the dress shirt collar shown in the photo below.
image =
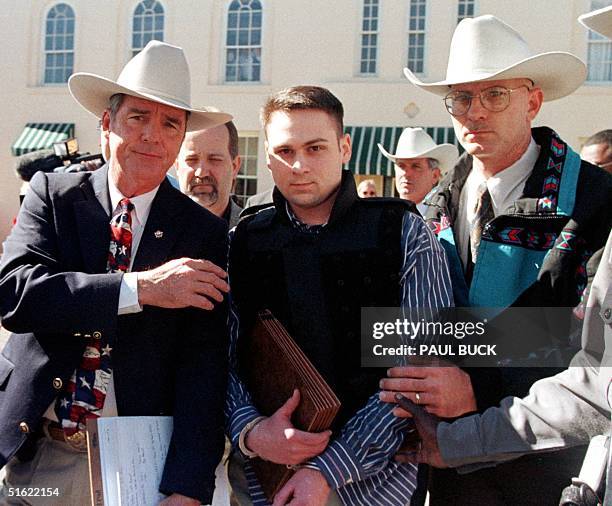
(504, 186)
(296, 223)
(142, 203)
(344, 200)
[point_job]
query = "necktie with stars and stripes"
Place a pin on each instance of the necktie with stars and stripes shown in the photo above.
(86, 391)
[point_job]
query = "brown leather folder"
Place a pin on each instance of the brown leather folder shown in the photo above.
(277, 367)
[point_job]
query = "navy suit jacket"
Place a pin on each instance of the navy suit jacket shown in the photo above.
(54, 289)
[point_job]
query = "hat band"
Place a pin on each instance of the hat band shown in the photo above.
(158, 94)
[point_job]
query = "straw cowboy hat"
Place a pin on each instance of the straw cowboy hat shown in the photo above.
(415, 143)
(159, 73)
(486, 49)
(599, 21)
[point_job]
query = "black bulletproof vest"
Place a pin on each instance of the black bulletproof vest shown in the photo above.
(317, 284)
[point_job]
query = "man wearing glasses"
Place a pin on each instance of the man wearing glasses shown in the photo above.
(521, 218)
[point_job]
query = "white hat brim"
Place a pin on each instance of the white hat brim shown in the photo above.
(446, 154)
(557, 73)
(93, 92)
(599, 21)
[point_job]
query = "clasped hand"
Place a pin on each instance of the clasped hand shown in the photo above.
(277, 440)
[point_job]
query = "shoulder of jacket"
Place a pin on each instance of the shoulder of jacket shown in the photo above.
(390, 203)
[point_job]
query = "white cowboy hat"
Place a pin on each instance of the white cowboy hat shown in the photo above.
(159, 73)
(416, 143)
(599, 21)
(486, 49)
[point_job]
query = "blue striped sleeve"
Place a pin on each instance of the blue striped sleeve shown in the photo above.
(364, 446)
(426, 281)
(239, 409)
(367, 443)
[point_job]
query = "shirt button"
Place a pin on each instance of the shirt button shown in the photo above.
(97, 335)
(24, 427)
(58, 383)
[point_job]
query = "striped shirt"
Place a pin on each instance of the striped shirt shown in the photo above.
(358, 463)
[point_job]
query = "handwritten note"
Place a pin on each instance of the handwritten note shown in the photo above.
(132, 453)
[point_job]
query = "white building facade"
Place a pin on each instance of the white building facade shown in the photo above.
(241, 51)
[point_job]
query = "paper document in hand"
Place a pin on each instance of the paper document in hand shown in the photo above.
(129, 454)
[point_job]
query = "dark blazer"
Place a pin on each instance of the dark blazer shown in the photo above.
(54, 289)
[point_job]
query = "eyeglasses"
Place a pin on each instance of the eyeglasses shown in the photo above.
(494, 99)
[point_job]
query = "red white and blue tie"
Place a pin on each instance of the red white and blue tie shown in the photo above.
(86, 391)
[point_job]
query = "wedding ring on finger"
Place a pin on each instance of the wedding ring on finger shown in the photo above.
(417, 398)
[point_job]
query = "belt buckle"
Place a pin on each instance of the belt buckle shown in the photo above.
(77, 441)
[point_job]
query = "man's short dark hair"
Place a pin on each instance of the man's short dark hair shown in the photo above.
(299, 98)
(233, 139)
(603, 137)
(114, 103)
(433, 163)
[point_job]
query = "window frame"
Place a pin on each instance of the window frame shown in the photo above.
(467, 3)
(45, 52)
(370, 32)
(226, 47)
(250, 137)
(593, 39)
(424, 32)
(132, 51)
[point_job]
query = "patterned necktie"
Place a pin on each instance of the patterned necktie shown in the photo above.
(483, 213)
(120, 250)
(86, 391)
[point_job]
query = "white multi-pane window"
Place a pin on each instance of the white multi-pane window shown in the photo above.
(243, 41)
(599, 55)
(416, 36)
(246, 181)
(147, 24)
(369, 37)
(59, 44)
(465, 9)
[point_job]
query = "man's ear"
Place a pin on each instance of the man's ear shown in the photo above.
(267, 155)
(536, 98)
(105, 124)
(437, 175)
(345, 148)
(236, 162)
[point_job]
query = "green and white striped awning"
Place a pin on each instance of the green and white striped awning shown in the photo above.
(37, 136)
(367, 158)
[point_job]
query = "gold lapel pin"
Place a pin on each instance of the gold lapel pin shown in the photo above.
(158, 234)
